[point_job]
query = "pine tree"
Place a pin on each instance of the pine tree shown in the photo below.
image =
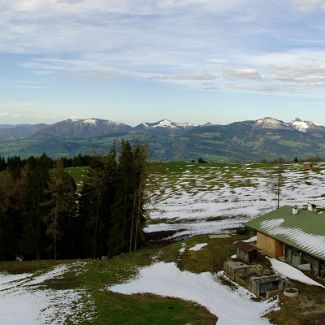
(61, 190)
(34, 239)
(140, 155)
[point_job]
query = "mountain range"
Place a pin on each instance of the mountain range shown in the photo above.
(253, 140)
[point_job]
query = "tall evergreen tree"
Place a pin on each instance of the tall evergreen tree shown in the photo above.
(34, 239)
(61, 190)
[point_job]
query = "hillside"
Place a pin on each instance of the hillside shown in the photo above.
(222, 197)
(245, 141)
(181, 284)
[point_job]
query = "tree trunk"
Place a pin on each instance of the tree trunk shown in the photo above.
(55, 226)
(132, 225)
(95, 230)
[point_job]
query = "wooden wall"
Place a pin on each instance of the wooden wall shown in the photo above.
(269, 245)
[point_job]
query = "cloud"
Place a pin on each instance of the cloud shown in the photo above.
(99, 75)
(134, 7)
(310, 4)
(242, 73)
(308, 74)
(185, 77)
(235, 44)
(10, 115)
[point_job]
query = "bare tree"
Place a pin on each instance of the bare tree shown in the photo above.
(277, 181)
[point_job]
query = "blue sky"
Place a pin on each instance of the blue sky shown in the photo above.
(143, 60)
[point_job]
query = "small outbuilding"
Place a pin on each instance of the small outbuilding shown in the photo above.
(268, 285)
(238, 271)
(246, 252)
(308, 165)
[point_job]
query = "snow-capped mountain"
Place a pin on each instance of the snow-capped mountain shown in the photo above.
(265, 138)
(303, 126)
(272, 123)
(82, 128)
(296, 125)
(164, 123)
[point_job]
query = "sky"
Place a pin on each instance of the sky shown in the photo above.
(132, 61)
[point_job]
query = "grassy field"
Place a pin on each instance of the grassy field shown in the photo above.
(94, 276)
(78, 174)
(190, 199)
(111, 308)
(106, 307)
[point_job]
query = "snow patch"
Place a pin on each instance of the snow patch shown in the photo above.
(198, 247)
(11, 280)
(90, 121)
(23, 304)
(249, 240)
(299, 125)
(231, 307)
(269, 122)
(182, 249)
(56, 272)
(291, 272)
(217, 201)
(302, 126)
(74, 119)
(165, 124)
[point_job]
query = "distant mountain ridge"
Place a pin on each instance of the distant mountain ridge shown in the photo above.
(265, 138)
(81, 128)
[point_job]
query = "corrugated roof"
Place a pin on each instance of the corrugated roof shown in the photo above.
(305, 231)
(245, 247)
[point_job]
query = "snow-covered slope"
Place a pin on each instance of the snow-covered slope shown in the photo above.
(272, 123)
(303, 126)
(233, 307)
(82, 128)
(164, 123)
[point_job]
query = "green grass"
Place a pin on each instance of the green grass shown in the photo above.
(111, 308)
(14, 267)
(94, 277)
(117, 309)
(78, 174)
(210, 258)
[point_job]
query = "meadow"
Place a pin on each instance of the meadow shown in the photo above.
(187, 199)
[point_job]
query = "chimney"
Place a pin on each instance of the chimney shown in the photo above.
(311, 207)
(295, 210)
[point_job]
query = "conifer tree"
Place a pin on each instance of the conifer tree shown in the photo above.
(34, 239)
(61, 190)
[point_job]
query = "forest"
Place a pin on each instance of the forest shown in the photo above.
(43, 216)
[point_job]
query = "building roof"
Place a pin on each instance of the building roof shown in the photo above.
(304, 231)
(245, 246)
(266, 278)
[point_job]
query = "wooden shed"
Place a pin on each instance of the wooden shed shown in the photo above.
(308, 165)
(246, 253)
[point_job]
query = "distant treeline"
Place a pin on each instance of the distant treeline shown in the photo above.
(43, 216)
(15, 162)
(281, 160)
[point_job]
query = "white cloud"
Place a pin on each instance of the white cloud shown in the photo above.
(242, 73)
(308, 74)
(185, 77)
(134, 7)
(310, 4)
(234, 43)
